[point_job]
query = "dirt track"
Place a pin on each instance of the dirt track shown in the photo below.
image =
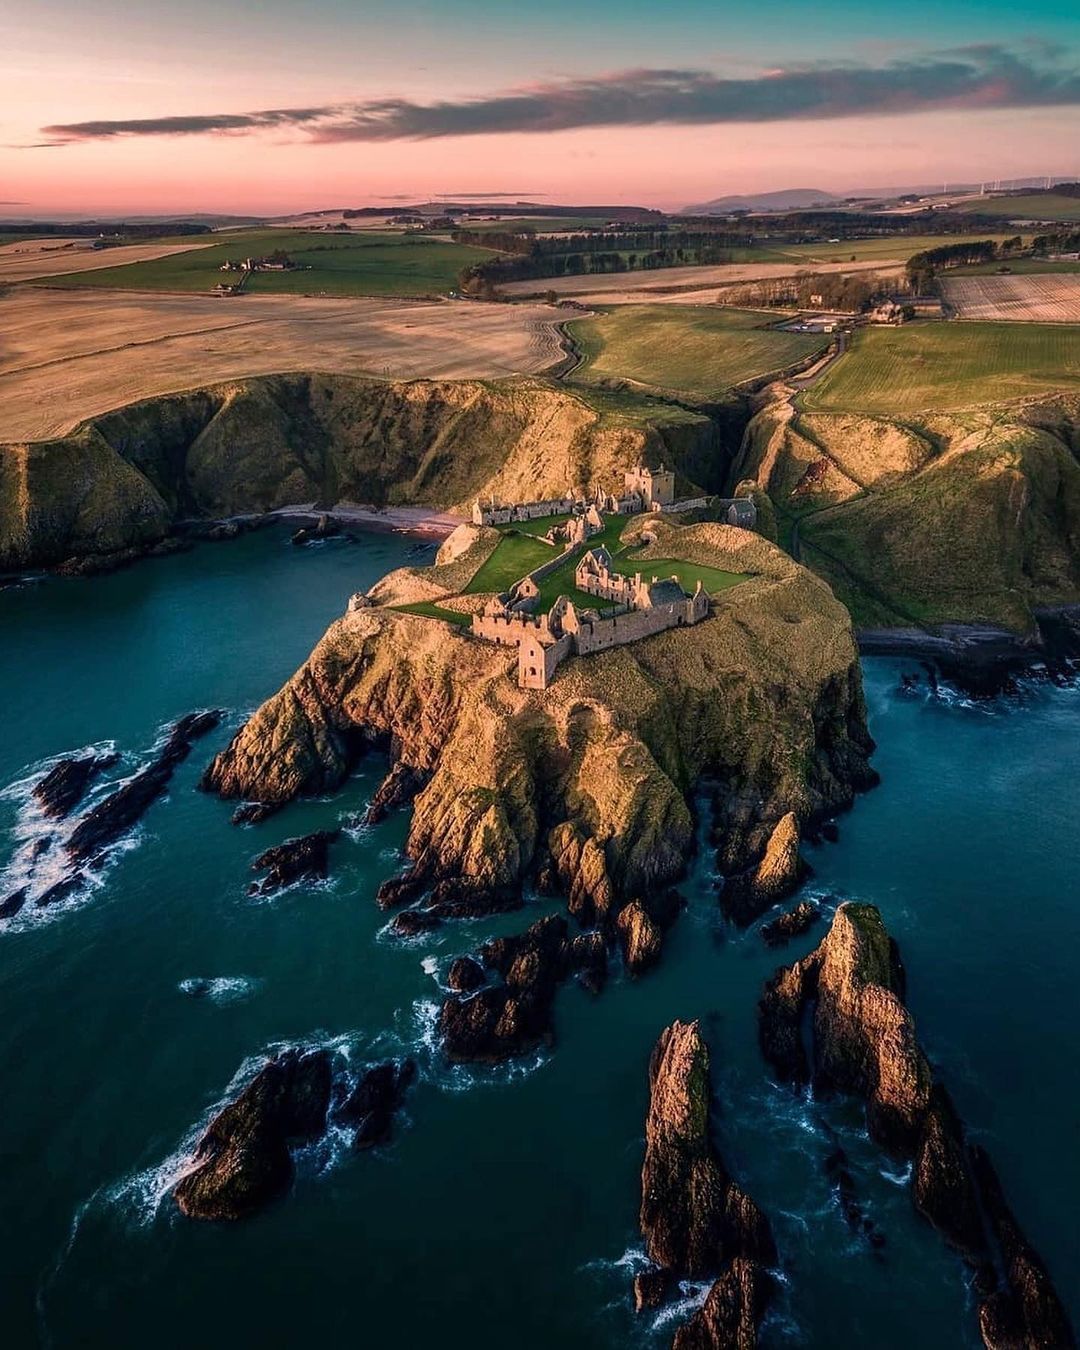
(35, 258)
(66, 355)
(682, 285)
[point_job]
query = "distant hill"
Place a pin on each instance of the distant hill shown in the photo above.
(788, 199)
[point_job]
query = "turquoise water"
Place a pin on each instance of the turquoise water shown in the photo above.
(504, 1212)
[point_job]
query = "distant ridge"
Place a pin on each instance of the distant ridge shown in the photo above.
(788, 199)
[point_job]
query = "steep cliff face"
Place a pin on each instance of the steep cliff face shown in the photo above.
(962, 518)
(256, 444)
(591, 780)
(864, 1043)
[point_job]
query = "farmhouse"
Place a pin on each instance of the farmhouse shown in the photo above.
(543, 641)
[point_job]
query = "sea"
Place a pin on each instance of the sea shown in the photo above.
(504, 1211)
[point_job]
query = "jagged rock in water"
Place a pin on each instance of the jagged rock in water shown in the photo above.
(121, 809)
(586, 956)
(514, 1017)
(326, 527)
(642, 939)
(779, 873)
(1025, 1313)
(791, 924)
(11, 905)
(98, 564)
(398, 788)
(373, 1101)
(242, 1161)
(865, 1043)
(304, 859)
(652, 1288)
(399, 890)
(60, 890)
(414, 922)
(63, 786)
(465, 975)
(252, 813)
(694, 1218)
(453, 898)
(732, 1312)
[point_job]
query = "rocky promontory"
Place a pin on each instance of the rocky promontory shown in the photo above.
(590, 784)
(851, 988)
(696, 1221)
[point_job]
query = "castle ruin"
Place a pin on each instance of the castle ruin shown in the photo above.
(640, 608)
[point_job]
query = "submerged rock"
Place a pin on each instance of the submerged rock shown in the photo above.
(791, 924)
(864, 1043)
(123, 808)
(242, 1161)
(63, 786)
(306, 858)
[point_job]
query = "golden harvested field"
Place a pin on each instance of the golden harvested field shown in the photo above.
(681, 285)
(1030, 298)
(34, 258)
(67, 355)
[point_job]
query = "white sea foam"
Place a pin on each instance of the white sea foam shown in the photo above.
(220, 989)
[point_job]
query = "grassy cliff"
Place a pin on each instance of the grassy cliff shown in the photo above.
(949, 517)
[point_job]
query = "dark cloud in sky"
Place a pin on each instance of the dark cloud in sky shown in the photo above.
(973, 77)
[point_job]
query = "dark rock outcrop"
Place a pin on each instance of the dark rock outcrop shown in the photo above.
(64, 786)
(242, 1161)
(397, 789)
(791, 924)
(121, 809)
(777, 875)
(696, 1221)
(12, 903)
(465, 975)
(373, 1101)
(414, 922)
(642, 939)
(864, 1043)
(514, 1016)
(732, 1312)
(306, 858)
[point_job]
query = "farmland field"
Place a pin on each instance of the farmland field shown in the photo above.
(66, 355)
(897, 248)
(327, 264)
(935, 367)
(1053, 298)
(696, 351)
(1036, 206)
(33, 259)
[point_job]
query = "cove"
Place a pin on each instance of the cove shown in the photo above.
(506, 1207)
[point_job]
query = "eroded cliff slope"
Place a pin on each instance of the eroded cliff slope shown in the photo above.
(967, 517)
(122, 479)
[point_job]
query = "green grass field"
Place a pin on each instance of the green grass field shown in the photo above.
(714, 579)
(1021, 266)
(328, 264)
(1037, 206)
(514, 556)
(430, 610)
(695, 351)
(936, 367)
(901, 247)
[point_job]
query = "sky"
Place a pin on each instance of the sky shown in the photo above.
(111, 108)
